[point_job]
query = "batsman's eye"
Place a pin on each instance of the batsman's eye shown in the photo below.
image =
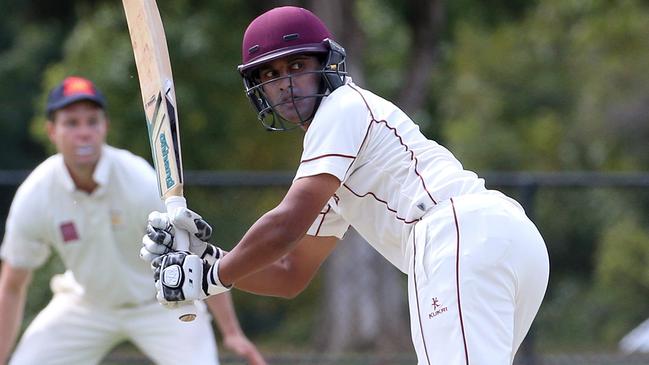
(296, 66)
(268, 75)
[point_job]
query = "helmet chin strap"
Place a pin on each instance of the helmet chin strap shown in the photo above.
(322, 92)
(287, 125)
(332, 75)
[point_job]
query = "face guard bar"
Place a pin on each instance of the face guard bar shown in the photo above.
(333, 76)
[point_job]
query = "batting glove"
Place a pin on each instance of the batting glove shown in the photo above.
(180, 277)
(160, 231)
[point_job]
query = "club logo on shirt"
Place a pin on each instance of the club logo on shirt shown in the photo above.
(437, 308)
(116, 219)
(69, 231)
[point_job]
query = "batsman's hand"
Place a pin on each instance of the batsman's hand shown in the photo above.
(160, 231)
(181, 277)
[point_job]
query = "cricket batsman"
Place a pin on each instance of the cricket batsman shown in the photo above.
(477, 266)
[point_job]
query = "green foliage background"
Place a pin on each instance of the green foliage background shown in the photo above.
(557, 85)
(561, 89)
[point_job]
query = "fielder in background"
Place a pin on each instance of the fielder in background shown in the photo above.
(89, 203)
(477, 266)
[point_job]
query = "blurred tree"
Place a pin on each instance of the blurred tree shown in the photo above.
(30, 36)
(563, 89)
(20, 59)
(622, 275)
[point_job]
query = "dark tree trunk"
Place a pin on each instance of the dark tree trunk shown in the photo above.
(364, 301)
(364, 304)
(426, 19)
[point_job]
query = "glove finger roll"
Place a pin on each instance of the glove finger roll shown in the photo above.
(204, 230)
(159, 220)
(184, 218)
(155, 246)
(146, 255)
(159, 236)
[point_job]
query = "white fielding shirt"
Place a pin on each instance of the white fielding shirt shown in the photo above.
(98, 235)
(390, 173)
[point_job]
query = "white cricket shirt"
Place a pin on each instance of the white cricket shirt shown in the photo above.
(98, 235)
(391, 173)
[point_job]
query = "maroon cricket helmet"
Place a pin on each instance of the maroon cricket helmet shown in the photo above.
(281, 32)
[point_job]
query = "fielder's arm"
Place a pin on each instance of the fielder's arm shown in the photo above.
(234, 339)
(13, 291)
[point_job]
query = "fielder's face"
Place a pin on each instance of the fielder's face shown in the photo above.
(78, 131)
(291, 85)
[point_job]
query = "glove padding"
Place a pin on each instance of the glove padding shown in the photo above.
(181, 277)
(160, 231)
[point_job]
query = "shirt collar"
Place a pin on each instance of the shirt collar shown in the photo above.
(101, 175)
(102, 170)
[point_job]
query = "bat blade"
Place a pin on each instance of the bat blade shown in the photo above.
(159, 101)
(158, 93)
(165, 144)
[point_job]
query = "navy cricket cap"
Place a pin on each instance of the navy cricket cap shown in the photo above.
(71, 90)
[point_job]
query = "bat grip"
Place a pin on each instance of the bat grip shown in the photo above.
(181, 238)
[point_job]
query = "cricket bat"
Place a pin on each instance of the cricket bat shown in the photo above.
(159, 100)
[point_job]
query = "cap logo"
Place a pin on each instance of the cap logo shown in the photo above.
(290, 37)
(253, 49)
(77, 85)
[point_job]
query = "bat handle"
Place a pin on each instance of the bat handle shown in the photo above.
(174, 203)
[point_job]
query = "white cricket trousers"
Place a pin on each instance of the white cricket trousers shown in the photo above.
(478, 272)
(70, 332)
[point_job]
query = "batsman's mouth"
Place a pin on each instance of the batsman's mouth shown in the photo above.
(298, 102)
(295, 112)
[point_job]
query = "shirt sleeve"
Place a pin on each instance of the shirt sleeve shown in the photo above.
(335, 136)
(23, 245)
(328, 223)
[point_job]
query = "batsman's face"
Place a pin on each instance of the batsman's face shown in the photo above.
(78, 131)
(291, 85)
